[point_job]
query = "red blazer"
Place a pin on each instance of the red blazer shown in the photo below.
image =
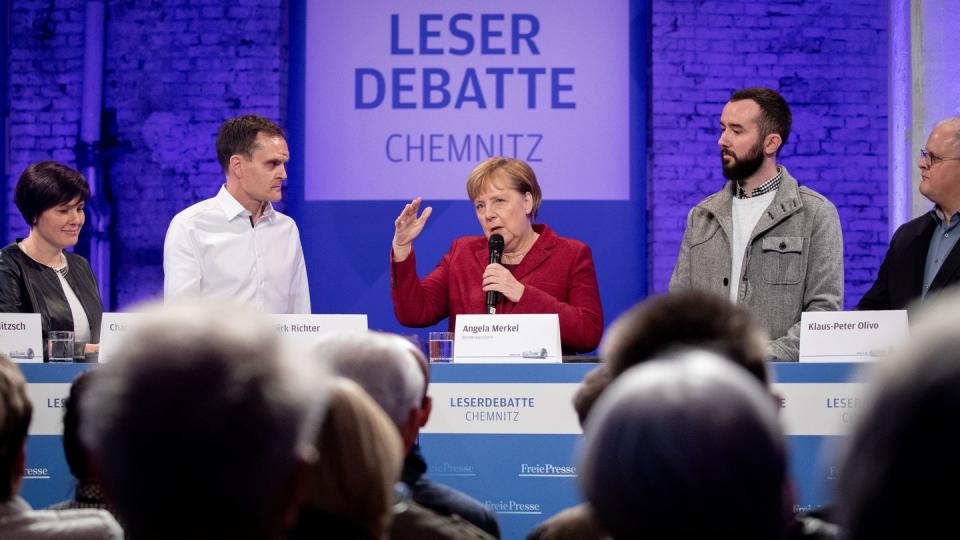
(557, 274)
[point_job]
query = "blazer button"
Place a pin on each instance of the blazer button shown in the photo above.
(725, 281)
(783, 245)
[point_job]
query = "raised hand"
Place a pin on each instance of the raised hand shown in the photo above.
(407, 228)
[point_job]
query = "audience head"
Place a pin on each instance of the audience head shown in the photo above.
(686, 319)
(683, 447)
(675, 320)
(77, 457)
(361, 459)
(901, 469)
(15, 413)
(388, 369)
(200, 427)
(45, 185)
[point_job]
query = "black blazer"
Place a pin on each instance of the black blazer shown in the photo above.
(27, 286)
(900, 279)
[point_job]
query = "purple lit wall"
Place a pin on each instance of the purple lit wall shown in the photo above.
(176, 69)
(829, 59)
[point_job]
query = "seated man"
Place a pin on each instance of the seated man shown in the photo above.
(17, 519)
(395, 374)
(924, 256)
(201, 427)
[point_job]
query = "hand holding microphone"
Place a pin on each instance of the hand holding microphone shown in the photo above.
(497, 280)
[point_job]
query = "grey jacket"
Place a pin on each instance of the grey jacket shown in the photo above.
(793, 262)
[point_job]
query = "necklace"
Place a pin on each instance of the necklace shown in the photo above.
(61, 268)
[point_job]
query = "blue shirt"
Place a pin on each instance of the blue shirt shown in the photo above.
(941, 244)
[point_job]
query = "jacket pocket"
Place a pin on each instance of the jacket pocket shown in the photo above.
(782, 259)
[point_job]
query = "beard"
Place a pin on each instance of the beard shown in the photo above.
(741, 169)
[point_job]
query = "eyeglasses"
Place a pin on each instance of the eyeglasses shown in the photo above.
(932, 159)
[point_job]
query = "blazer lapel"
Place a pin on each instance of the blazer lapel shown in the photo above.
(541, 251)
(914, 258)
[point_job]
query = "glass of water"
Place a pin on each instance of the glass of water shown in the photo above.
(441, 346)
(60, 346)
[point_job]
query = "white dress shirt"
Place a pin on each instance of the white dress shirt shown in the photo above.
(213, 250)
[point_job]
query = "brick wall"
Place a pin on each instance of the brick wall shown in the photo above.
(46, 76)
(174, 71)
(829, 59)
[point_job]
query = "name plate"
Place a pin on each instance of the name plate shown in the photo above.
(304, 330)
(851, 336)
(113, 327)
(504, 339)
(21, 337)
(298, 331)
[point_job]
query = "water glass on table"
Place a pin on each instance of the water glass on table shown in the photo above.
(441, 346)
(60, 346)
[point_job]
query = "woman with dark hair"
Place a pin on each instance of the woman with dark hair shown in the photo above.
(36, 274)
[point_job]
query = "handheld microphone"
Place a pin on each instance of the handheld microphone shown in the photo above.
(496, 250)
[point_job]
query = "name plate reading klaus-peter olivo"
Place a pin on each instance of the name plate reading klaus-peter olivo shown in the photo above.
(21, 337)
(851, 336)
(505, 339)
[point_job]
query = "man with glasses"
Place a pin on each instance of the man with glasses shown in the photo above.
(763, 241)
(923, 257)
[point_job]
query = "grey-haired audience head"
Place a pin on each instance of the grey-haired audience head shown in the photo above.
(388, 368)
(686, 447)
(901, 468)
(201, 427)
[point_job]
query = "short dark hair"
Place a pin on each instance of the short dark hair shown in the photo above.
(46, 184)
(15, 413)
(238, 135)
(73, 449)
(685, 319)
(775, 116)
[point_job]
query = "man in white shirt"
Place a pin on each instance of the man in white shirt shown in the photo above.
(236, 245)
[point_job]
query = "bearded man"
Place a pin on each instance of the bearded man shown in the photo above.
(763, 241)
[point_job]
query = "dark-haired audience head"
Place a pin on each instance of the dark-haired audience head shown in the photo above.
(201, 427)
(15, 413)
(77, 456)
(679, 319)
(686, 319)
(48, 184)
(901, 468)
(686, 446)
(388, 368)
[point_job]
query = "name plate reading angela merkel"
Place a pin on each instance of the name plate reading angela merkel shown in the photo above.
(21, 337)
(506, 339)
(851, 336)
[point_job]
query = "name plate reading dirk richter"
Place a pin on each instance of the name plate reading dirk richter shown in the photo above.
(21, 337)
(505, 339)
(303, 330)
(851, 336)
